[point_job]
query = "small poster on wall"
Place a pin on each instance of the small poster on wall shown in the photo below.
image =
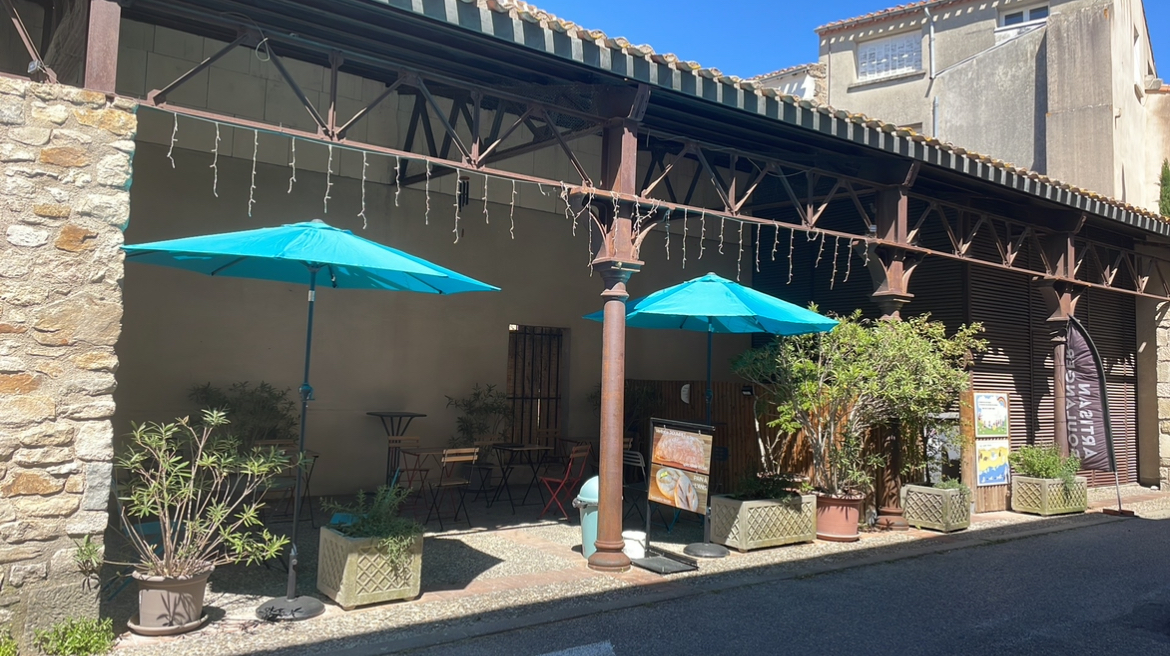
(991, 461)
(992, 412)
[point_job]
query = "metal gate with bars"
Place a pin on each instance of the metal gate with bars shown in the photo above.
(534, 383)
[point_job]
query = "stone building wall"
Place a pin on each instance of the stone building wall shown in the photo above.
(66, 159)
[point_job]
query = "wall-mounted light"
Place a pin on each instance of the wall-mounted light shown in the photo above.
(747, 390)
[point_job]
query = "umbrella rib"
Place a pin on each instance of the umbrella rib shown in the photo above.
(228, 265)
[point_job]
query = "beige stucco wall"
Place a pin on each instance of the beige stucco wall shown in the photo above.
(374, 351)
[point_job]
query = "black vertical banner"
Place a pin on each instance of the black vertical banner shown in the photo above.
(1090, 436)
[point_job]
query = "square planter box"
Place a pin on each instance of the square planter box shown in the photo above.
(745, 525)
(354, 572)
(1049, 496)
(941, 510)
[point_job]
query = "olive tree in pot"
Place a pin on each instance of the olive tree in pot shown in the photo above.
(1044, 483)
(373, 554)
(829, 390)
(189, 503)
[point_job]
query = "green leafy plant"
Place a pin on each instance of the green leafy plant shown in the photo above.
(8, 646)
(485, 412)
(953, 484)
(377, 516)
(77, 637)
(88, 558)
(260, 412)
(1045, 462)
(203, 491)
(769, 486)
(1164, 183)
(830, 389)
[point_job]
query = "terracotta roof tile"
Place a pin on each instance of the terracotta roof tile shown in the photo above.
(892, 12)
(527, 12)
(783, 71)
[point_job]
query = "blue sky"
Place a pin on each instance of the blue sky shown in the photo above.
(750, 37)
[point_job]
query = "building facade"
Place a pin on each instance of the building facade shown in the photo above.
(1067, 88)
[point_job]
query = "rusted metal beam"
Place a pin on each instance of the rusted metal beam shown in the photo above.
(296, 89)
(452, 135)
(159, 96)
(364, 111)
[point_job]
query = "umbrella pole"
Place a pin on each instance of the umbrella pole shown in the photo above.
(292, 607)
(709, 394)
(707, 549)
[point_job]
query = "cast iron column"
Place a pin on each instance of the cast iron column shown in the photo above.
(891, 268)
(616, 261)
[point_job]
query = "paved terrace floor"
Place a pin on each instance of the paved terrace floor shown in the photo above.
(511, 570)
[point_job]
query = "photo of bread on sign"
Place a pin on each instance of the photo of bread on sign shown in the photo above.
(682, 450)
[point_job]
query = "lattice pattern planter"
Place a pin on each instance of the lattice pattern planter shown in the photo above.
(745, 525)
(1049, 496)
(941, 510)
(354, 572)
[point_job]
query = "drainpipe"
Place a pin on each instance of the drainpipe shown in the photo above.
(930, 27)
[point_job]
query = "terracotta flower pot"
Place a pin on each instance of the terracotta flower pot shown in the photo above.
(838, 518)
(168, 606)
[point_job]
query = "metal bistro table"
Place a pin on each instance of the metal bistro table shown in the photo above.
(395, 424)
(517, 455)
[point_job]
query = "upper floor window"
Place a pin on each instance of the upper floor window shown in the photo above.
(1021, 16)
(890, 56)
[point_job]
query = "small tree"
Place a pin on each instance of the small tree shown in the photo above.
(1164, 182)
(485, 412)
(832, 388)
(260, 412)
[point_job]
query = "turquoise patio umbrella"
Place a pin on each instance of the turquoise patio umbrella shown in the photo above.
(300, 253)
(714, 304)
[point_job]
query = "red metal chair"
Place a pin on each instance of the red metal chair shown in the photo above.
(574, 471)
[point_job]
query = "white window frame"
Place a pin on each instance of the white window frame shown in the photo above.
(889, 56)
(1027, 17)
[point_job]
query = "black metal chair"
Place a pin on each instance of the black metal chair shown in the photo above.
(453, 465)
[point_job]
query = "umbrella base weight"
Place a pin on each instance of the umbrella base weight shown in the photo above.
(283, 609)
(706, 550)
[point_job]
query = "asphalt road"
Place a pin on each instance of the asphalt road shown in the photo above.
(1103, 589)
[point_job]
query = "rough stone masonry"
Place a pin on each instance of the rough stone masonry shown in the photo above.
(66, 156)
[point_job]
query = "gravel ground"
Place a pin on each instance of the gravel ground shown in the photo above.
(478, 574)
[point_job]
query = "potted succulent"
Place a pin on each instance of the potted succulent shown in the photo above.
(189, 503)
(1044, 483)
(372, 554)
(944, 506)
(828, 391)
(768, 510)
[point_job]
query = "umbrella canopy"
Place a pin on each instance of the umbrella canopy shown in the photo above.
(300, 253)
(285, 253)
(712, 303)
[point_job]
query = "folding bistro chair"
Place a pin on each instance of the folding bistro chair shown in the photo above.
(486, 469)
(284, 485)
(633, 462)
(574, 470)
(452, 479)
(415, 473)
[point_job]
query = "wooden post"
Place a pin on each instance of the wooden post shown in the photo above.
(1060, 298)
(616, 262)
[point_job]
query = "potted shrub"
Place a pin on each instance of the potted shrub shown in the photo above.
(189, 504)
(260, 413)
(374, 554)
(944, 506)
(1044, 483)
(828, 390)
(769, 510)
(484, 413)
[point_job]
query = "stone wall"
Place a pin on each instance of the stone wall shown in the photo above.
(64, 200)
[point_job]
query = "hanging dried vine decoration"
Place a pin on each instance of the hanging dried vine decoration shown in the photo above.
(215, 164)
(848, 260)
(512, 211)
(702, 234)
(820, 251)
(722, 223)
(427, 214)
(456, 230)
(775, 239)
(791, 250)
(397, 178)
(739, 258)
(757, 247)
(255, 152)
(684, 239)
(174, 139)
(293, 163)
(836, 246)
(365, 223)
(486, 218)
(328, 178)
(666, 225)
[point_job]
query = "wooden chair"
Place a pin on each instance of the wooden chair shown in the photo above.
(452, 479)
(567, 482)
(413, 474)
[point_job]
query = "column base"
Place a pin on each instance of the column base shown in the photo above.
(609, 559)
(891, 519)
